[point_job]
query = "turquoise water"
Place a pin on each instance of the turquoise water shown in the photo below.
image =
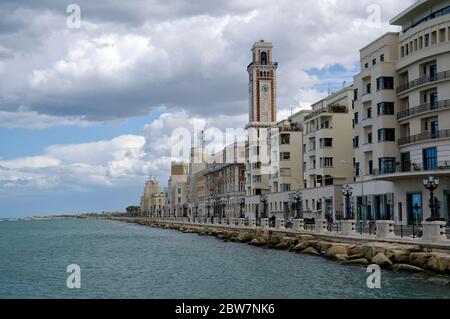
(121, 260)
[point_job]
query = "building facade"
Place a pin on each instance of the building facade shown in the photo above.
(410, 76)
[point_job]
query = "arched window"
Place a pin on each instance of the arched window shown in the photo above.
(263, 58)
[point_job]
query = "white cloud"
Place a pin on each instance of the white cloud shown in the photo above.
(128, 59)
(117, 162)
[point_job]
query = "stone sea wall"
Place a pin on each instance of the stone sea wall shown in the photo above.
(397, 257)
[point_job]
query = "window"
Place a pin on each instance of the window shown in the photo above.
(327, 142)
(256, 178)
(369, 88)
(386, 164)
(370, 167)
(285, 188)
(263, 58)
(385, 83)
(369, 113)
(355, 95)
(429, 158)
(285, 139)
(356, 118)
(326, 162)
(357, 171)
(386, 135)
(369, 138)
(285, 156)
(356, 142)
(366, 65)
(374, 61)
(382, 58)
(385, 108)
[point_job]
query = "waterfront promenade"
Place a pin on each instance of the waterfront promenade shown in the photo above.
(398, 254)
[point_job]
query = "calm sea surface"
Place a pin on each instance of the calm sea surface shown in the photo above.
(121, 260)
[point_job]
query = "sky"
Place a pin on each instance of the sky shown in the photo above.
(88, 111)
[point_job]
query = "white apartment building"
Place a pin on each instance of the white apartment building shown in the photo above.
(402, 118)
(327, 155)
(287, 166)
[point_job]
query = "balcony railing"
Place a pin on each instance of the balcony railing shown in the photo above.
(337, 108)
(408, 167)
(424, 137)
(424, 80)
(424, 108)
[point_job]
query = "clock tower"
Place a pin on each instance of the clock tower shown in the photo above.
(262, 87)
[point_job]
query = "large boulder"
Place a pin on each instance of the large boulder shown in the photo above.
(359, 261)
(300, 246)
(381, 260)
(310, 251)
(336, 249)
(443, 262)
(398, 256)
(290, 241)
(245, 237)
(257, 242)
(419, 259)
(372, 249)
(355, 250)
(341, 257)
(407, 268)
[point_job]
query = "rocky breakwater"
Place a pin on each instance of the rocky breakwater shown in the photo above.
(396, 257)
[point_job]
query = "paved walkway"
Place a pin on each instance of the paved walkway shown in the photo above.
(330, 236)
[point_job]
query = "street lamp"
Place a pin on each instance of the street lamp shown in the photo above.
(297, 196)
(431, 183)
(242, 204)
(347, 191)
(264, 200)
(223, 201)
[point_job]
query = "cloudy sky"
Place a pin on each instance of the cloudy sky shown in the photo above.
(87, 114)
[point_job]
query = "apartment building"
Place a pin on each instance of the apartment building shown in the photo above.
(286, 166)
(224, 179)
(178, 190)
(410, 117)
(151, 187)
(158, 204)
(327, 155)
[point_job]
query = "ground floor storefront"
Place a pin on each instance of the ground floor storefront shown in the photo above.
(405, 201)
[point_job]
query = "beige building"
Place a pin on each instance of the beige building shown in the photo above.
(327, 155)
(408, 74)
(177, 190)
(151, 187)
(287, 166)
(224, 179)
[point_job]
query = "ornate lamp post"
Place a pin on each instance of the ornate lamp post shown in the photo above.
(297, 196)
(431, 183)
(242, 204)
(264, 201)
(347, 191)
(223, 201)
